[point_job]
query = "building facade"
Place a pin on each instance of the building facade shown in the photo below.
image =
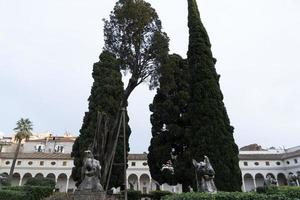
(256, 163)
(47, 156)
(44, 155)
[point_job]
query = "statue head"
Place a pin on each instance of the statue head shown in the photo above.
(204, 167)
(88, 154)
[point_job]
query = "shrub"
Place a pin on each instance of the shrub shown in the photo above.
(12, 195)
(30, 192)
(288, 191)
(46, 182)
(158, 194)
(134, 195)
(226, 196)
(59, 196)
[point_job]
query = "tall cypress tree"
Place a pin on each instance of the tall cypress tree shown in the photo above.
(106, 94)
(209, 132)
(168, 119)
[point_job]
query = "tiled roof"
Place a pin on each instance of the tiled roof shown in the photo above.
(37, 155)
(57, 139)
(260, 156)
(252, 147)
(279, 156)
(137, 156)
(62, 156)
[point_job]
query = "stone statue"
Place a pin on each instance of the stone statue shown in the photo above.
(270, 181)
(90, 174)
(205, 176)
(292, 179)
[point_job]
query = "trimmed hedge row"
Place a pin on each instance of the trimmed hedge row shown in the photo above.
(226, 196)
(154, 195)
(30, 192)
(288, 191)
(12, 195)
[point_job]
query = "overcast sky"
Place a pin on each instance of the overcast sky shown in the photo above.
(47, 49)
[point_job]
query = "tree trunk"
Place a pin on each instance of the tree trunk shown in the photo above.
(12, 168)
(112, 137)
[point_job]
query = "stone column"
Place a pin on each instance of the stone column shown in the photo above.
(20, 182)
(244, 186)
(67, 185)
(139, 184)
(254, 183)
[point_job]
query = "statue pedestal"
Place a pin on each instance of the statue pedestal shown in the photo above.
(89, 195)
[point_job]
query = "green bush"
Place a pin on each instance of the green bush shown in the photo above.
(226, 196)
(31, 192)
(12, 195)
(288, 191)
(158, 194)
(59, 196)
(134, 195)
(47, 182)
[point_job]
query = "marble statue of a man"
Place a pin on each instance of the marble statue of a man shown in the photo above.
(90, 174)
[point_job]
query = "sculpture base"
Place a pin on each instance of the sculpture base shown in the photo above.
(89, 195)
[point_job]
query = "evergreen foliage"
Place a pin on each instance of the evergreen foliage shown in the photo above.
(133, 33)
(106, 94)
(189, 118)
(209, 132)
(168, 118)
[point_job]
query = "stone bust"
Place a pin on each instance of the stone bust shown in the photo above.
(90, 174)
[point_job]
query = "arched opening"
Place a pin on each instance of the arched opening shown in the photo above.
(51, 176)
(259, 180)
(61, 183)
(281, 179)
(39, 175)
(5, 174)
(145, 183)
(249, 183)
(154, 185)
(272, 175)
(25, 178)
(15, 181)
(133, 182)
(72, 185)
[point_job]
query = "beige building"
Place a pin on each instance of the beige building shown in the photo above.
(49, 156)
(256, 163)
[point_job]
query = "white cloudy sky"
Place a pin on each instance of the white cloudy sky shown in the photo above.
(47, 49)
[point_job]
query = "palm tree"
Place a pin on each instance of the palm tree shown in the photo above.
(23, 131)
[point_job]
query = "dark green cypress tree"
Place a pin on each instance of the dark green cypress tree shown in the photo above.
(106, 94)
(209, 132)
(168, 118)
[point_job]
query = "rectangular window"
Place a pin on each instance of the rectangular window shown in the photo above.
(41, 163)
(132, 163)
(19, 162)
(296, 161)
(65, 163)
(267, 163)
(245, 163)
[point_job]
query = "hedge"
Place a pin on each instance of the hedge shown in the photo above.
(288, 191)
(47, 182)
(226, 196)
(30, 192)
(12, 195)
(157, 195)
